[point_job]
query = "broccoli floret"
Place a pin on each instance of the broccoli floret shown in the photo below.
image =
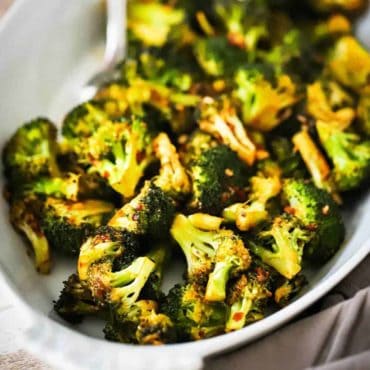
(332, 105)
(316, 163)
(263, 105)
(75, 301)
(265, 185)
(350, 63)
(120, 152)
(289, 289)
(126, 284)
(363, 111)
(25, 217)
(350, 155)
(244, 22)
(83, 120)
(67, 224)
(289, 161)
(280, 244)
(31, 153)
(328, 6)
(317, 211)
(218, 57)
(219, 178)
(231, 259)
(172, 177)
(193, 316)
(246, 299)
(212, 255)
(141, 324)
(149, 213)
(221, 121)
(152, 23)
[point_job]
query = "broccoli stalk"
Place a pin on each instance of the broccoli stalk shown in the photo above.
(127, 283)
(363, 111)
(316, 163)
(24, 216)
(224, 125)
(246, 299)
(172, 178)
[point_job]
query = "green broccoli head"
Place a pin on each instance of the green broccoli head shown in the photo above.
(68, 224)
(231, 259)
(31, 153)
(219, 179)
(152, 23)
(290, 162)
(247, 299)
(193, 316)
(280, 244)
(25, 217)
(213, 255)
(264, 186)
(119, 152)
(263, 105)
(83, 120)
(75, 301)
(140, 324)
(349, 154)
(218, 57)
(350, 63)
(150, 212)
(319, 213)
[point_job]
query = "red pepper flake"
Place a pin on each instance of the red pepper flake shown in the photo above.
(290, 210)
(135, 216)
(236, 39)
(238, 316)
(106, 174)
(312, 227)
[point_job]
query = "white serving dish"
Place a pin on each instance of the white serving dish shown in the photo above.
(41, 43)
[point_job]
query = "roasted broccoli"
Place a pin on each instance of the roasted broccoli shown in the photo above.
(247, 298)
(212, 256)
(265, 185)
(150, 212)
(25, 217)
(193, 316)
(263, 105)
(75, 301)
(67, 224)
(219, 178)
(280, 244)
(141, 324)
(350, 63)
(220, 120)
(349, 154)
(317, 212)
(31, 153)
(326, 6)
(363, 111)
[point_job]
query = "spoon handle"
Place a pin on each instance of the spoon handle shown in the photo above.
(116, 39)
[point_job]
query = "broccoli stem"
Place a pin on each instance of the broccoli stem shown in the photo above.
(238, 314)
(216, 286)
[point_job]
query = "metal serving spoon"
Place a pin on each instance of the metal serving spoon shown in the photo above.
(115, 48)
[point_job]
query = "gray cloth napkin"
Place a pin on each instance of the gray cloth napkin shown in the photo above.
(334, 336)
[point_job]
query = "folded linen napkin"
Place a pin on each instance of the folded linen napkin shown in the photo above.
(336, 338)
